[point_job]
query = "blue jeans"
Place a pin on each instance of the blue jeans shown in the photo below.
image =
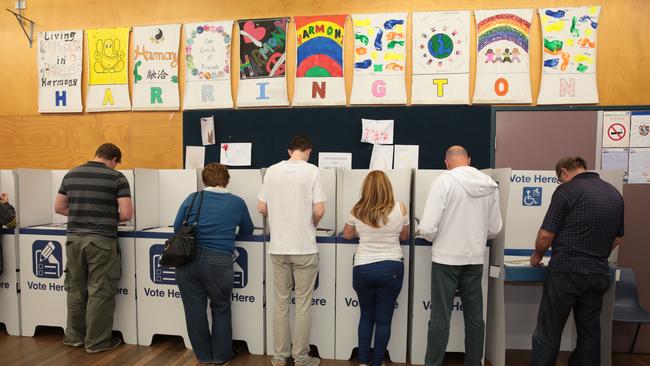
(377, 285)
(562, 292)
(208, 276)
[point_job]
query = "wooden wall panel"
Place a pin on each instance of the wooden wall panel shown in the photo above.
(153, 139)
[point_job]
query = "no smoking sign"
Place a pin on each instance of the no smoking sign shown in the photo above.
(616, 132)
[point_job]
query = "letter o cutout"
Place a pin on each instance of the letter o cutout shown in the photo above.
(501, 87)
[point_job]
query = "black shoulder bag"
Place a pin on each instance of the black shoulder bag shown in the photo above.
(180, 249)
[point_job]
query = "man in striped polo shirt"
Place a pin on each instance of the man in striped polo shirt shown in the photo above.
(95, 198)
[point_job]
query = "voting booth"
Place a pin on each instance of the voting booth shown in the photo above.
(9, 297)
(248, 264)
(42, 237)
(518, 289)
(323, 298)
(349, 186)
(422, 282)
(160, 194)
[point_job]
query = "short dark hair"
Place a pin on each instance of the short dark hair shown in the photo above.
(109, 151)
(570, 163)
(215, 174)
(300, 142)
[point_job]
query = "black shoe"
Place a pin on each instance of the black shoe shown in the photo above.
(115, 341)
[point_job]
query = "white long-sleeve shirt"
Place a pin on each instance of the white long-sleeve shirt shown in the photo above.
(460, 214)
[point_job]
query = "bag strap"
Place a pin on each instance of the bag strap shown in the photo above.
(198, 212)
(189, 209)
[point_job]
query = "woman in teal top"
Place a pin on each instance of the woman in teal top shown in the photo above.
(210, 274)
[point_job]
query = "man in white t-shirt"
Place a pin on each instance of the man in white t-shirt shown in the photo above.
(460, 214)
(293, 199)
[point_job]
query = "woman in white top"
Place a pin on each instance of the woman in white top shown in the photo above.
(380, 223)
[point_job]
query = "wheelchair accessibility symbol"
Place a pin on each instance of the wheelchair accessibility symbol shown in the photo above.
(532, 196)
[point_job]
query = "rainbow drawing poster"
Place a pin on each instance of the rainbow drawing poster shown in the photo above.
(379, 58)
(502, 60)
(440, 57)
(569, 55)
(319, 62)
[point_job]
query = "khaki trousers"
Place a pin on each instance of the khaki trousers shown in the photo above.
(289, 272)
(93, 269)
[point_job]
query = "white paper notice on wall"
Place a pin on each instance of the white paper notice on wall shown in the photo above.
(236, 153)
(616, 129)
(615, 159)
(640, 129)
(406, 156)
(207, 130)
(377, 131)
(382, 157)
(194, 157)
(639, 165)
(335, 160)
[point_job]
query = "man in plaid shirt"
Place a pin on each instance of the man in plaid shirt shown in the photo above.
(583, 224)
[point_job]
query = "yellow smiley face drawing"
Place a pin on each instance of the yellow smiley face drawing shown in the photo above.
(109, 58)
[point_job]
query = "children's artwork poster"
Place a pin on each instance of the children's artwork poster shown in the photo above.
(207, 65)
(262, 53)
(236, 153)
(640, 129)
(406, 156)
(569, 55)
(59, 71)
(319, 62)
(194, 157)
(502, 59)
(379, 59)
(616, 129)
(440, 57)
(382, 157)
(207, 130)
(108, 70)
(155, 67)
(377, 131)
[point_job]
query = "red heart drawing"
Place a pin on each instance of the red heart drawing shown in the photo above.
(257, 33)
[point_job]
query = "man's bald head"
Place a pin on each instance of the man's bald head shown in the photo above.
(456, 156)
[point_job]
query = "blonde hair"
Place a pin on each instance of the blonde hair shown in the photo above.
(377, 200)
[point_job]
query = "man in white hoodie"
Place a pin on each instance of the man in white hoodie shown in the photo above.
(461, 213)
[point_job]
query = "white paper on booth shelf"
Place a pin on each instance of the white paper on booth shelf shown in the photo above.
(335, 160)
(194, 157)
(406, 156)
(108, 70)
(640, 129)
(569, 55)
(379, 59)
(377, 131)
(440, 57)
(616, 129)
(502, 59)
(59, 69)
(236, 153)
(207, 130)
(207, 65)
(639, 165)
(615, 159)
(382, 157)
(155, 67)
